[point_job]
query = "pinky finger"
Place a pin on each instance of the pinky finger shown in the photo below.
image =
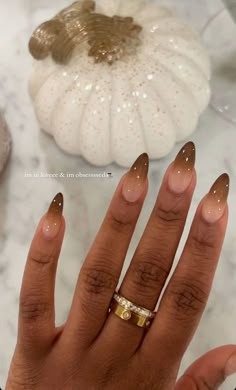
(210, 370)
(36, 312)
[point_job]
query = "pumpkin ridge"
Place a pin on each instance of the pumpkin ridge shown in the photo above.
(184, 50)
(54, 71)
(188, 59)
(164, 102)
(168, 111)
(59, 97)
(83, 115)
(192, 65)
(59, 107)
(171, 25)
(184, 54)
(150, 89)
(178, 81)
(173, 34)
(146, 149)
(173, 111)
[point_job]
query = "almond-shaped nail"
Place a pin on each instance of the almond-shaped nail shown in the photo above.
(216, 200)
(181, 172)
(135, 180)
(53, 218)
(230, 367)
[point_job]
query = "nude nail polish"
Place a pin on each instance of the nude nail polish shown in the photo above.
(136, 178)
(181, 172)
(216, 200)
(53, 218)
(230, 367)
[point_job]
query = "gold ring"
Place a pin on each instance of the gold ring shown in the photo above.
(130, 312)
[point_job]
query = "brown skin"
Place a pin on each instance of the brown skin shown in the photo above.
(95, 350)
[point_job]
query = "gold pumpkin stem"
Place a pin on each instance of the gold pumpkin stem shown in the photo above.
(109, 38)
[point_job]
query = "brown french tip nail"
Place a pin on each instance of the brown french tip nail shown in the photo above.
(135, 180)
(181, 173)
(53, 218)
(216, 200)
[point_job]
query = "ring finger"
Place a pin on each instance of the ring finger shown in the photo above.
(154, 256)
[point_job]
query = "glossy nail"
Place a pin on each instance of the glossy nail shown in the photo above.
(53, 218)
(181, 172)
(215, 202)
(230, 367)
(136, 178)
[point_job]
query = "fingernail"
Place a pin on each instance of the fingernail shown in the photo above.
(181, 173)
(230, 367)
(215, 202)
(136, 178)
(53, 217)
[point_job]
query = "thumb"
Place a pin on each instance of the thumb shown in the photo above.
(210, 370)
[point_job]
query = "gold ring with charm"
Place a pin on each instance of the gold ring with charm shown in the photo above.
(130, 312)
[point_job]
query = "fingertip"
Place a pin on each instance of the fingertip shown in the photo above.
(135, 181)
(180, 174)
(53, 218)
(215, 201)
(210, 217)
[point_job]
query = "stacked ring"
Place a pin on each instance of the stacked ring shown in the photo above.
(129, 311)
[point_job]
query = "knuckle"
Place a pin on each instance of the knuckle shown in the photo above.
(99, 280)
(149, 273)
(202, 244)
(32, 307)
(186, 299)
(120, 222)
(169, 216)
(42, 258)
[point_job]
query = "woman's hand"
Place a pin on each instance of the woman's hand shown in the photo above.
(96, 349)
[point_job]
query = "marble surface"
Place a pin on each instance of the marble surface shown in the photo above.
(23, 200)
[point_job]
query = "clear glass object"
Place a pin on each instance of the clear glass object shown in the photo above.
(219, 36)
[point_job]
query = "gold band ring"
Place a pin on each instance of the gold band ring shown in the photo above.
(130, 312)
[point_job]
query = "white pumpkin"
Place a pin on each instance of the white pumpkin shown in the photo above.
(144, 101)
